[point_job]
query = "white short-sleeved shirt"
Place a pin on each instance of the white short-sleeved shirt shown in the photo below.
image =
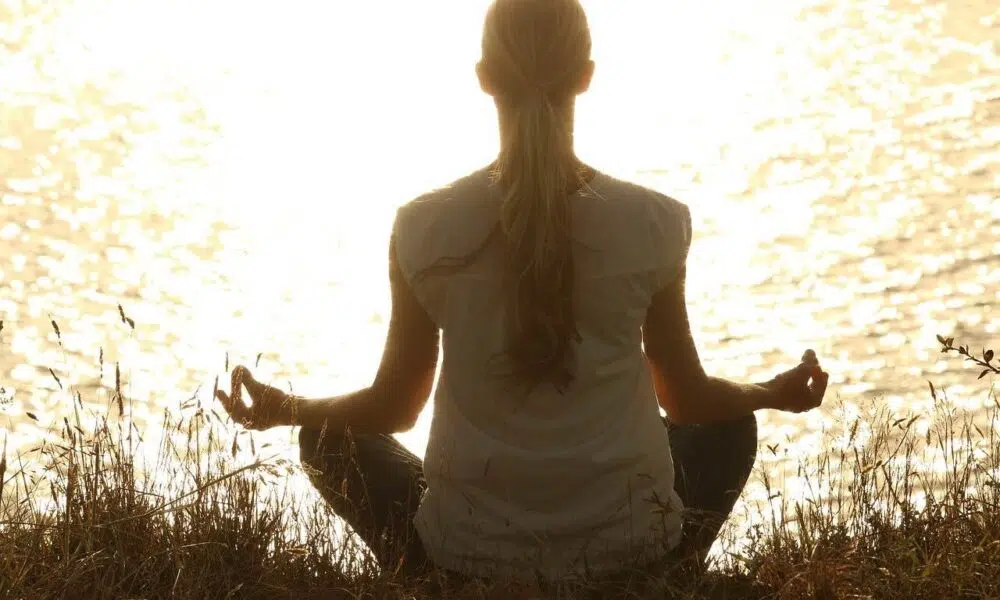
(521, 484)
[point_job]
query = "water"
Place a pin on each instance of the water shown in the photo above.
(227, 172)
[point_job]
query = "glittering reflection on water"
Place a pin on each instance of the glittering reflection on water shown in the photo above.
(842, 162)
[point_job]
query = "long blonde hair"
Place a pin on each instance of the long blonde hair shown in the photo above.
(535, 53)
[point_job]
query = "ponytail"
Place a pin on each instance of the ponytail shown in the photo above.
(535, 56)
(537, 172)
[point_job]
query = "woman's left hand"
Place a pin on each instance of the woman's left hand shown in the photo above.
(802, 388)
(271, 407)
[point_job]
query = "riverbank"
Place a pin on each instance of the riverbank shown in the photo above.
(909, 507)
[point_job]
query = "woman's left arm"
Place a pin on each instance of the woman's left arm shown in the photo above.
(391, 404)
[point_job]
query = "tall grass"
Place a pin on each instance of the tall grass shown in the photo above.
(905, 507)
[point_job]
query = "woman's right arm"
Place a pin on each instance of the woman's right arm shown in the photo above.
(688, 394)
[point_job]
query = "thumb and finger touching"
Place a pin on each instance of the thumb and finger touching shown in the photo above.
(819, 378)
(260, 394)
(818, 385)
(807, 382)
(233, 402)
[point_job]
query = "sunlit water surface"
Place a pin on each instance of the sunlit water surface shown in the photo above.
(227, 172)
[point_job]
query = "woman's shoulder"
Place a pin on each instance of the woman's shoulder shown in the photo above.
(625, 208)
(638, 197)
(637, 226)
(465, 190)
(449, 219)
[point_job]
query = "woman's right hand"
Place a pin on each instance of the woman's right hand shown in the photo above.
(271, 407)
(800, 389)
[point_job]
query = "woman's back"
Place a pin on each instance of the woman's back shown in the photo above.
(537, 480)
(546, 455)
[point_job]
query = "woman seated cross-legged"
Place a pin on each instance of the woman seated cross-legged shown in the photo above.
(556, 295)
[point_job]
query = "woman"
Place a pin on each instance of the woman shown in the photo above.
(559, 292)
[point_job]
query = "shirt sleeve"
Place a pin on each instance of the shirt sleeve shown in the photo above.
(409, 236)
(672, 233)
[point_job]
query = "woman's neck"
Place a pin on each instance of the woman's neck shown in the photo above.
(567, 113)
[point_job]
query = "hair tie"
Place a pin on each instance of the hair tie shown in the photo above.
(533, 92)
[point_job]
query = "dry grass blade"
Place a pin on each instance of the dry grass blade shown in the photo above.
(3, 465)
(55, 326)
(118, 390)
(56, 377)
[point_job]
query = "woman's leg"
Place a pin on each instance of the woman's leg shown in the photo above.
(712, 464)
(374, 483)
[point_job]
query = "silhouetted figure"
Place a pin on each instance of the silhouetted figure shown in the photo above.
(557, 295)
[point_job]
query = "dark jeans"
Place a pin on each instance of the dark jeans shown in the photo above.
(374, 483)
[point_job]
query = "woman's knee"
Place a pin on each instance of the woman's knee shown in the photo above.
(747, 427)
(743, 436)
(308, 442)
(740, 436)
(317, 445)
(744, 432)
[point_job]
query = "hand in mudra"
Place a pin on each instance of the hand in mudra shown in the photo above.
(801, 388)
(271, 407)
